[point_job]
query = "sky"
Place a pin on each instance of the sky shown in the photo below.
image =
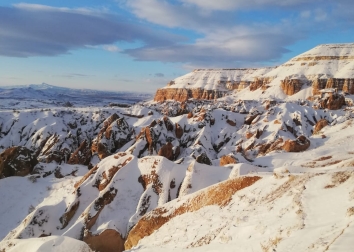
(140, 45)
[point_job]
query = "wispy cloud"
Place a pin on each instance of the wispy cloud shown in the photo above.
(73, 75)
(37, 30)
(159, 75)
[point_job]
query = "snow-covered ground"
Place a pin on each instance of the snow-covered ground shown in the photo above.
(143, 189)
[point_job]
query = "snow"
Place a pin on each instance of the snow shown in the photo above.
(303, 201)
(51, 243)
(307, 66)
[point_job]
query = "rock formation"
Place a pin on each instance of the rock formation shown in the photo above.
(291, 86)
(17, 161)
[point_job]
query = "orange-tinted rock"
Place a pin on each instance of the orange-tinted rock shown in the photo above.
(107, 241)
(179, 131)
(249, 134)
(167, 151)
(17, 161)
(291, 86)
(82, 155)
(218, 195)
(341, 84)
(320, 125)
(190, 115)
(298, 145)
(229, 159)
(333, 102)
(183, 94)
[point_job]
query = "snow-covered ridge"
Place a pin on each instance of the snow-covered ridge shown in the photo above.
(329, 61)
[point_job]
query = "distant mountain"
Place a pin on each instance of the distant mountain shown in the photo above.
(58, 95)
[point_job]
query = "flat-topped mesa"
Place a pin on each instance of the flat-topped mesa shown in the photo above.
(325, 66)
(211, 84)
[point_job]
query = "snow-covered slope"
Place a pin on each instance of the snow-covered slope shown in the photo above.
(260, 169)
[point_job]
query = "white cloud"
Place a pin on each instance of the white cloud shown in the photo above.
(227, 5)
(111, 48)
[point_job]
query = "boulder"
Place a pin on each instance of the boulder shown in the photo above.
(229, 159)
(320, 125)
(179, 131)
(297, 145)
(203, 159)
(167, 151)
(17, 161)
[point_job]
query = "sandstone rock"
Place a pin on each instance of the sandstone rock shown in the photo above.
(269, 147)
(249, 134)
(341, 84)
(298, 145)
(179, 131)
(184, 94)
(232, 123)
(82, 155)
(107, 241)
(17, 161)
(291, 86)
(218, 195)
(250, 118)
(112, 136)
(203, 159)
(333, 101)
(229, 159)
(320, 125)
(167, 151)
(168, 123)
(190, 115)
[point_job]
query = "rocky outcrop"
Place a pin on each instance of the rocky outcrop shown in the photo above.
(179, 131)
(82, 155)
(260, 83)
(333, 101)
(167, 151)
(203, 159)
(107, 241)
(114, 134)
(320, 125)
(291, 86)
(183, 94)
(219, 195)
(341, 84)
(17, 161)
(229, 159)
(298, 145)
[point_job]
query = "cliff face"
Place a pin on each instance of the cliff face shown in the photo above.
(341, 84)
(183, 94)
(291, 87)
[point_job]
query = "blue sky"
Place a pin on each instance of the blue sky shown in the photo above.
(139, 45)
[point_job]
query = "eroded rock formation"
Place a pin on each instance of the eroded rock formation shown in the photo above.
(184, 94)
(17, 161)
